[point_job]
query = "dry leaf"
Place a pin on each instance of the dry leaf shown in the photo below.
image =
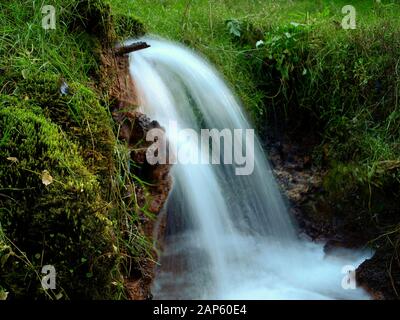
(46, 178)
(3, 295)
(12, 159)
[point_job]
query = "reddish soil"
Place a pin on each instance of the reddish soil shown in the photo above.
(133, 127)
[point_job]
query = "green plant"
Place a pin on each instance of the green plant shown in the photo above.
(234, 27)
(285, 47)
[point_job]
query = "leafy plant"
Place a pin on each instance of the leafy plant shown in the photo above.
(234, 27)
(285, 46)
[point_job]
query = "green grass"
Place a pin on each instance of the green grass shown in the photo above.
(201, 24)
(27, 46)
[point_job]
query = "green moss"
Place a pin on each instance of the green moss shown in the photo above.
(79, 222)
(81, 114)
(64, 224)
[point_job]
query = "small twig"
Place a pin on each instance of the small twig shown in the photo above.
(131, 48)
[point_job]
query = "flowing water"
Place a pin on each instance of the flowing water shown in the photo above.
(229, 236)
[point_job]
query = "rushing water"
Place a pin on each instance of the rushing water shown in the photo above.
(229, 236)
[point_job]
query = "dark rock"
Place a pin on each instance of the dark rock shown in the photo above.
(380, 275)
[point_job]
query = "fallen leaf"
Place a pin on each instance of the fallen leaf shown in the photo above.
(46, 178)
(3, 295)
(12, 159)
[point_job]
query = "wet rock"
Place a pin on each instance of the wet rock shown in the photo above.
(303, 184)
(380, 275)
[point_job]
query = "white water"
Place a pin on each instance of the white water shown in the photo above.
(229, 236)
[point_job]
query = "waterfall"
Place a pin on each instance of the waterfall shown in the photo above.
(229, 236)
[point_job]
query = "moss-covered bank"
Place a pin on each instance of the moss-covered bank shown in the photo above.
(66, 180)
